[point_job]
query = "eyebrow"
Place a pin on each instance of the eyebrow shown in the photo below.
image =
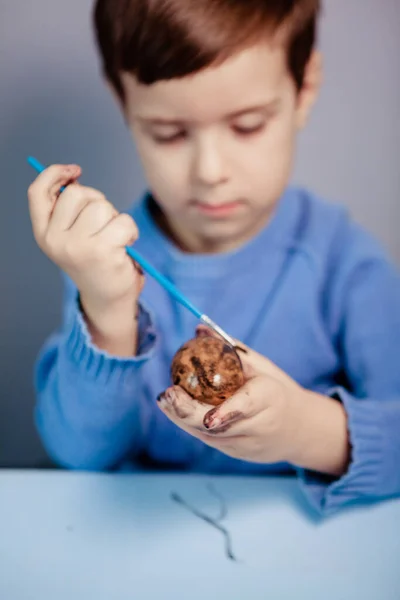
(265, 108)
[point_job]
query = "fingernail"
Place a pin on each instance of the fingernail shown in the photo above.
(166, 397)
(71, 169)
(139, 269)
(161, 401)
(211, 420)
(214, 424)
(200, 332)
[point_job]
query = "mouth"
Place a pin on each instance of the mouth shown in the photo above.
(218, 210)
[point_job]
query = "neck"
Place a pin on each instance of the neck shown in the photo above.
(193, 243)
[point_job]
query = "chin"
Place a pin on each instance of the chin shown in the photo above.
(223, 233)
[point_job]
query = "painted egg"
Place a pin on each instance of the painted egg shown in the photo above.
(208, 369)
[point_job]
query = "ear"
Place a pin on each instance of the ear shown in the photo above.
(308, 94)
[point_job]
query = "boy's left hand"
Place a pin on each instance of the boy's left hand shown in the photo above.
(261, 423)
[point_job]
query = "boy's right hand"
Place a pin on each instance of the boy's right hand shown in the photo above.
(82, 233)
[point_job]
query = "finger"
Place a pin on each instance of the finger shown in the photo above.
(203, 331)
(58, 187)
(187, 414)
(121, 231)
(43, 193)
(54, 177)
(190, 414)
(94, 216)
(248, 401)
(182, 408)
(70, 204)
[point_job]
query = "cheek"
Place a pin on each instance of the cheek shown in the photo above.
(165, 171)
(271, 162)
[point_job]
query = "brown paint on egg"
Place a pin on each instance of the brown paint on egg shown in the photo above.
(208, 369)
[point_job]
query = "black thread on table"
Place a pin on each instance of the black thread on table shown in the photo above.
(213, 522)
(216, 494)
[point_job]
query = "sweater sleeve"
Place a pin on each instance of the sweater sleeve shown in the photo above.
(366, 314)
(89, 412)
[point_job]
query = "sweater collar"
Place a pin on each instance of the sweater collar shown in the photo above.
(277, 235)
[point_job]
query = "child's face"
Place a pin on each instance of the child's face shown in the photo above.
(217, 146)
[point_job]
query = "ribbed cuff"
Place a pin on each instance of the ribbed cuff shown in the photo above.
(100, 365)
(364, 477)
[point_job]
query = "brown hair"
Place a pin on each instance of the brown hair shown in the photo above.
(165, 39)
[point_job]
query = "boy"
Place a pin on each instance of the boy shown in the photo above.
(214, 92)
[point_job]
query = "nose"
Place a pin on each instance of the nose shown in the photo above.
(209, 163)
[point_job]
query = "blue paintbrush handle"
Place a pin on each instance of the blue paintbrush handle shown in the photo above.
(163, 281)
(147, 267)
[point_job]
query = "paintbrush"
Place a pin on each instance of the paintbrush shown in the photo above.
(163, 281)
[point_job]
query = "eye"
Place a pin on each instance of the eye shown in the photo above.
(249, 130)
(169, 139)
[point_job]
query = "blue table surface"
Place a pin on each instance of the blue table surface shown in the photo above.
(73, 536)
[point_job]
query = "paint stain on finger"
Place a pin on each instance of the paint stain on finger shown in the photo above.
(216, 424)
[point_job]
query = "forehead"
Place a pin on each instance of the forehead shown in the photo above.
(252, 76)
